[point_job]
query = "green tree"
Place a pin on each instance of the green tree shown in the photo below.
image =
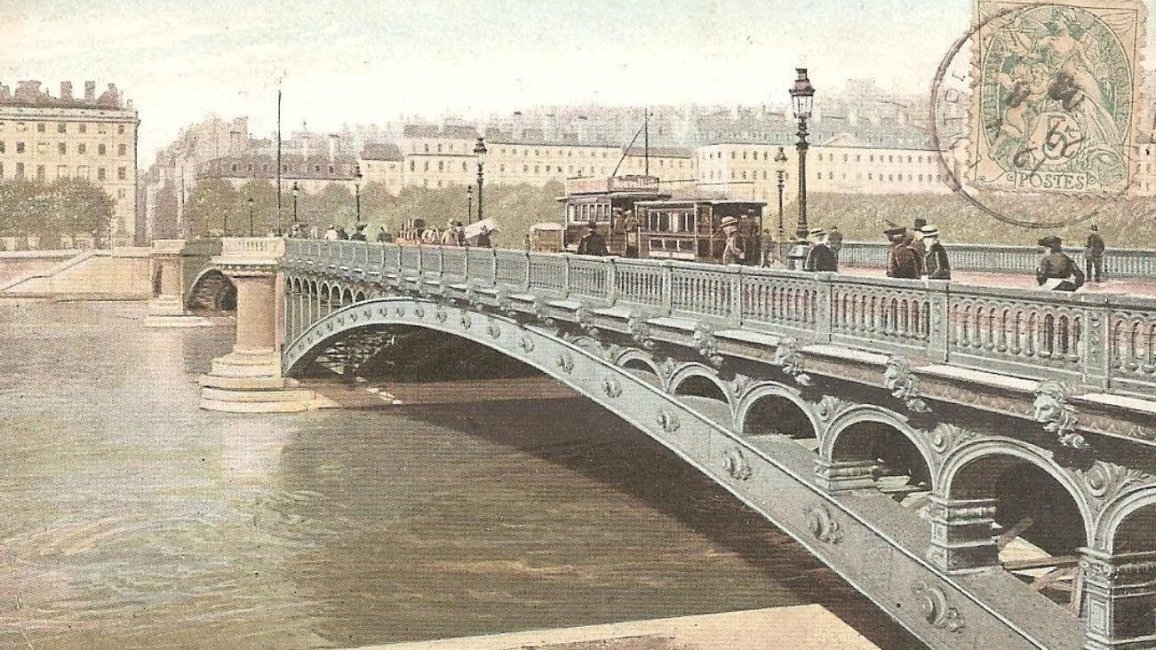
(77, 206)
(264, 197)
(211, 205)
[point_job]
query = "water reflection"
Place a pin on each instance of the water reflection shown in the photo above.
(133, 519)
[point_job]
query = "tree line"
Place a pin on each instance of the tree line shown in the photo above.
(216, 204)
(65, 206)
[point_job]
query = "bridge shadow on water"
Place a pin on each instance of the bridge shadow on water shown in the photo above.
(581, 438)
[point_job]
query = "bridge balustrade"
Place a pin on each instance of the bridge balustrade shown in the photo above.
(1118, 262)
(1101, 340)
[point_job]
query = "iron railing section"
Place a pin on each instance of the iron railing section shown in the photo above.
(1118, 262)
(1103, 341)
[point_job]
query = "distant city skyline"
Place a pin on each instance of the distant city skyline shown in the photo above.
(346, 62)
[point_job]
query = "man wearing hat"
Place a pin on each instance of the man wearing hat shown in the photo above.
(902, 259)
(820, 257)
(1057, 271)
(592, 243)
(734, 252)
(917, 239)
(834, 241)
(935, 264)
(1094, 255)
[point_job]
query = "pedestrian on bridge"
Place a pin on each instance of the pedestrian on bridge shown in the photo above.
(935, 263)
(820, 258)
(358, 233)
(835, 241)
(734, 252)
(1094, 255)
(384, 236)
(592, 243)
(1057, 271)
(331, 234)
(767, 248)
(902, 258)
(341, 234)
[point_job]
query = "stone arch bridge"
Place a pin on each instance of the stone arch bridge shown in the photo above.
(979, 462)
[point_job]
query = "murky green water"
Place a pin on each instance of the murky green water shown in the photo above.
(131, 519)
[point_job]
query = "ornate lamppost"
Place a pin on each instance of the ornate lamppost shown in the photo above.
(480, 152)
(802, 102)
(357, 189)
(469, 204)
(296, 189)
(250, 202)
(780, 160)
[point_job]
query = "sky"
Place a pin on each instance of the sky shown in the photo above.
(361, 61)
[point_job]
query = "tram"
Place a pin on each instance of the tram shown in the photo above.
(691, 229)
(608, 202)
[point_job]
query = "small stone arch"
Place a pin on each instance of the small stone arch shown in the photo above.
(1126, 522)
(771, 401)
(640, 363)
(213, 291)
(359, 296)
(700, 387)
(697, 370)
(961, 458)
(892, 454)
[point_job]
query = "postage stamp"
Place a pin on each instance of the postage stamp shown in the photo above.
(1057, 95)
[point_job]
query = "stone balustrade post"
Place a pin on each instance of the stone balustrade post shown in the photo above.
(735, 309)
(962, 534)
(823, 306)
(938, 317)
(611, 280)
(1119, 595)
(667, 287)
(1096, 340)
(566, 275)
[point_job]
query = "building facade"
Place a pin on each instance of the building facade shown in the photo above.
(44, 138)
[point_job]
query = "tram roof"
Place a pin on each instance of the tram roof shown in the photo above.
(700, 200)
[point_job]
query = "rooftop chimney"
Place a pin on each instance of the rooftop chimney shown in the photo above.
(66, 90)
(90, 91)
(234, 142)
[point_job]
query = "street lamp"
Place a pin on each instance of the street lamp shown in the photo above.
(802, 101)
(357, 189)
(780, 161)
(296, 189)
(250, 216)
(480, 152)
(469, 204)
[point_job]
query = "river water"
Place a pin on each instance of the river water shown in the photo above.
(132, 519)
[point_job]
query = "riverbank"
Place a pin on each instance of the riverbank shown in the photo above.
(803, 627)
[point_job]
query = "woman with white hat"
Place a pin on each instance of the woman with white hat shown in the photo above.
(935, 263)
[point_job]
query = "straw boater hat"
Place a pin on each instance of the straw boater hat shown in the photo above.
(1051, 241)
(895, 232)
(930, 230)
(729, 221)
(816, 232)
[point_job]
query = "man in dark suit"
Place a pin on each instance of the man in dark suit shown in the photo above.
(592, 243)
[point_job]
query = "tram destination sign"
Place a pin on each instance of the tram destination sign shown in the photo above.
(629, 183)
(1057, 101)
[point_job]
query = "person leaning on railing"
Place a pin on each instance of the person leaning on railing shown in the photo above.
(1057, 271)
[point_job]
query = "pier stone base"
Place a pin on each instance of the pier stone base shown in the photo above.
(248, 380)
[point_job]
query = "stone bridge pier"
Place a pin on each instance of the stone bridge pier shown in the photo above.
(249, 379)
(175, 265)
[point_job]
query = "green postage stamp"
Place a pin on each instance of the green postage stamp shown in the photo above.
(1058, 95)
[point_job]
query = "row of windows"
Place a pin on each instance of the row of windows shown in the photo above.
(64, 171)
(717, 175)
(891, 158)
(236, 168)
(62, 127)
(62, 148)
